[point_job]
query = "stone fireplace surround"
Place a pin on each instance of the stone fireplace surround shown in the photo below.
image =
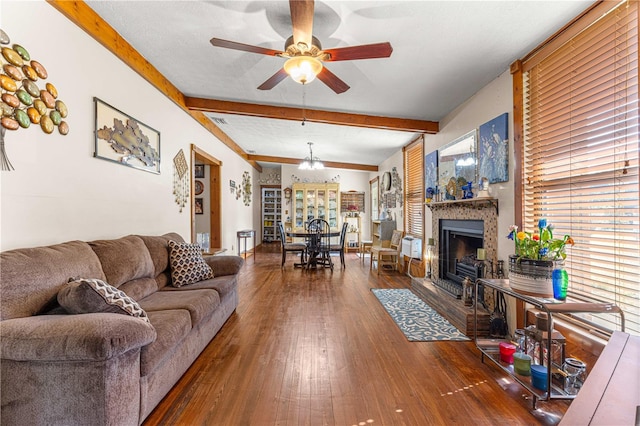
(474, 209)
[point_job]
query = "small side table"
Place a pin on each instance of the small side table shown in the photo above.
(244, 235)
(365, 247)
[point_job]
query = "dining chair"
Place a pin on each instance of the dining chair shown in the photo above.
(319, 244)
(388, 255)
(290, 247)
(339, 248)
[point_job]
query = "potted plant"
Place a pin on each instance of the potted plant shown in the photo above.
(537, 254)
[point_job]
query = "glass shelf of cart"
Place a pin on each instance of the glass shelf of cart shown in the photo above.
(491, 351)
(490, 347)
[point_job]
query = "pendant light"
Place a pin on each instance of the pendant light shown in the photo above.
(311, 163)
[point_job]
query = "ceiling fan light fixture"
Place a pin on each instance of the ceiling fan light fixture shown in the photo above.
(303, 69)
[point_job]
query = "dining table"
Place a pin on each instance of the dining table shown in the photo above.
(309, 238)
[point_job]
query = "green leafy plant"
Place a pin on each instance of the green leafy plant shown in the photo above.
(539, 245)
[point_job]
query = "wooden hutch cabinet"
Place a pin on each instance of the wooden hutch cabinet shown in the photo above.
(316, 200)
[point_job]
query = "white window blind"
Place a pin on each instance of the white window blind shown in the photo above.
(414, 189)
(581, 159)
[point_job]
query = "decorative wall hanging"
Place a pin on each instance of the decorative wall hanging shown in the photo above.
(430, 174)
(493, 149)
(352, 201)
(246, 188)
(386, 182)
(199, 187)
(198, 171)
(315, 179)
(396, 186)
(269, 179)
(390, 200)
(23, 101)
(232, 186)
(199, 205)
(124, 140)
(180, 179)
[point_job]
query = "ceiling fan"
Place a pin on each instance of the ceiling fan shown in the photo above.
(305, 54)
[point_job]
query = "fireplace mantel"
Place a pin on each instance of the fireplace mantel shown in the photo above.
(477, 203)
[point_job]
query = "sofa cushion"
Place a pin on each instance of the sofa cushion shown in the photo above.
(225, 265)
(124, 259)
(223, 285)
(85, 296)
(139, 288)
(158, 247)
(187, 264)
(171, 325)
(199, 303)
(32, 277)
(59, 338)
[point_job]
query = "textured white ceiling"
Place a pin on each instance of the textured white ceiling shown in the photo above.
(443, 53)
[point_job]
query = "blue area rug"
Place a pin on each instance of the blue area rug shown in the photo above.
(417, 320)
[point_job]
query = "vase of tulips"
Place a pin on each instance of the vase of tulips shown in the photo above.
(538, 253)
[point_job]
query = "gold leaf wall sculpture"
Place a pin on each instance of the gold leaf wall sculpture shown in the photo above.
(24, 100)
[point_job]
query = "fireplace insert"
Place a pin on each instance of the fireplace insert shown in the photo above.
(459, 242)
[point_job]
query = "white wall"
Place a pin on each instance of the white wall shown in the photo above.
(58, 191)
(490, 102)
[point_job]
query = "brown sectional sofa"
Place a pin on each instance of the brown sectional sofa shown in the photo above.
(102, 368)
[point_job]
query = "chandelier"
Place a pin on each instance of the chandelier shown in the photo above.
(311, 163)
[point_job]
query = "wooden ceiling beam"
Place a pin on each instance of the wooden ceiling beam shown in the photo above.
(312, 115)
(327, 164)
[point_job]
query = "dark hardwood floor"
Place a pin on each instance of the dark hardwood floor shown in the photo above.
(317, 348)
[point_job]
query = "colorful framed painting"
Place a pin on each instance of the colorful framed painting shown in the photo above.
(124, 140)
(493, 150)
(431, 171)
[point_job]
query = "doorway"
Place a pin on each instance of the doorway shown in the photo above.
(206, 214)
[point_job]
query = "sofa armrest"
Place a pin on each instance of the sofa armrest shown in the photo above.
(98, 336)
(225, 265)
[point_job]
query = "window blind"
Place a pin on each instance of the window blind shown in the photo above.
(580, 159)
(414, 189)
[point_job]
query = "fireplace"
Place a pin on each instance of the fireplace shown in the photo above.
(469, 225)
(459, 241)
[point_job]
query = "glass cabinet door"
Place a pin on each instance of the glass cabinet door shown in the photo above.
(322, 214)
(311, 204)
(333, 208)
(299, 200)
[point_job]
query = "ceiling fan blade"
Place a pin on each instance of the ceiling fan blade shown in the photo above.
(302, 20)
(218, 42)
(333, 81)
(365, 51)
(274, 80)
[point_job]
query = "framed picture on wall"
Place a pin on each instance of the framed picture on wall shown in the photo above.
(493, 150)
(198, 171)
(431, 171)
(199, 205)
(122, 139)
(199, 188)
